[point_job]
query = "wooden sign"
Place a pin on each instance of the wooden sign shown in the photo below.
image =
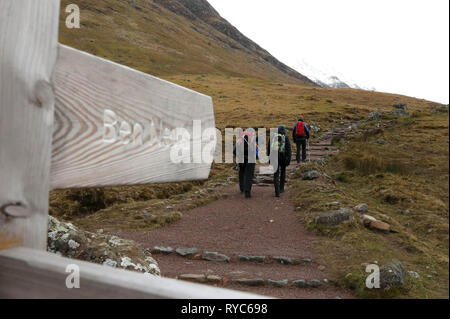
(111, 125)
(116, 126)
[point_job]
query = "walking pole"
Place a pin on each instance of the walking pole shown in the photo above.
(308, 152)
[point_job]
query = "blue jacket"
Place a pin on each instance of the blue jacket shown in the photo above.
(294, 129)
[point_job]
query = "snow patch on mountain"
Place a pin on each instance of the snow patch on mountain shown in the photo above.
(331, 79)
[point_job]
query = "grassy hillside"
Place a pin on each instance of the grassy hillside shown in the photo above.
(410, 172)
(405, 184)
(144, 35)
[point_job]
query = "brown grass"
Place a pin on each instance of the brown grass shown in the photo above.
(409, 173)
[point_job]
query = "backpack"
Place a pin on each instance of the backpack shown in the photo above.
(300, 129)
(279, 143)
(250, 137)
(250, 140)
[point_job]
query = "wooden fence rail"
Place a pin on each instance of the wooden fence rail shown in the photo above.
(28, 273)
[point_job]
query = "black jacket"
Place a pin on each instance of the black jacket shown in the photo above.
(284, 159)
(247, 145)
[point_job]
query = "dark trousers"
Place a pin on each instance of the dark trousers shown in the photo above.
(279, 179)
(301, 146)
(246, 173)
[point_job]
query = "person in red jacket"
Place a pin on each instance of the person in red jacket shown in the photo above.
(300, 133)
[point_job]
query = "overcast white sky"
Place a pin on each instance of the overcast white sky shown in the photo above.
(398, 46)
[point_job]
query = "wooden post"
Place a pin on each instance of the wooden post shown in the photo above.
(28, 50)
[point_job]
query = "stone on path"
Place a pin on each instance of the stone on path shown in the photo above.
(284, 260)
(334, 217)
(264, 179)
(193, 278)
(162, 250)
(187, 252)
(251, 282)
(300, 284)
(278, 283)
(213, 256)
(259, 259)
(314, 283)
(214, 279)
(392, 274)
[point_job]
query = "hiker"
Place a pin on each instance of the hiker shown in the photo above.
(280, 143)
(300, 134)
(246, 151)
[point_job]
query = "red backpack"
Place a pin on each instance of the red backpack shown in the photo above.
(300, 130)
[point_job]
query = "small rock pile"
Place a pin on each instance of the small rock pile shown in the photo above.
(67, 240)
(400, 109)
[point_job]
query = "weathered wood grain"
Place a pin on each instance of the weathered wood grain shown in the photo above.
(90, 92)
(28, 49)
(26, 273)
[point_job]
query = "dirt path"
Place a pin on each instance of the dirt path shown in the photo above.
(261, 226)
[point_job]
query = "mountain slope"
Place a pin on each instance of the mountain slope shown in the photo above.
(202, 10)
(168, 37)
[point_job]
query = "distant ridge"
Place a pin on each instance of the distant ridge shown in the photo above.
(201, 10)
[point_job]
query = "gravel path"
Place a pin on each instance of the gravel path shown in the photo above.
(261, 226)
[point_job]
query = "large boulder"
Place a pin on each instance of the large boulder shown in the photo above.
(69, 241)
(334, 217)
(392, 274)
